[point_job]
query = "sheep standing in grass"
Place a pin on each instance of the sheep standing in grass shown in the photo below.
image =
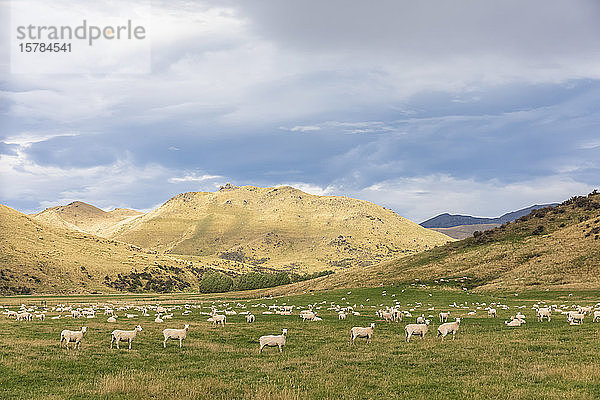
(72, 336)
(175, 334)
(250, 318)
(272, 341)
(449, 327)
(112, 318)
(596, 316)
(360, 332)
(124, 336)
(492, 312)
(575, 318)
(421, 319)
(416, 330)
(544, 313)
(444, 316)
(219, 319)
(342, 315)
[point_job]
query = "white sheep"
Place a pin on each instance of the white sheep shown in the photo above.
(575, 318)
(449, 327)
(72, 336)
(112, 318)
(416, 330)
(360, 332)
(342, 315)
(122, 336)
(250, 318)
(421, 319)
(307, 315)
(175, 334)
(544, 313)
(219, 319)
(492, 312)
(513, 322)
(158, 319)
(596, 316)
(444, 316)
(273, 340)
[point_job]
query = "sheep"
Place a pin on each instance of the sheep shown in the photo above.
(250, 318)
(360, 332)
(158, 319)
(175, 334)
(342, 315)
(24, 316)
(444, 316)
(492, 312)
(219, 319)
(575, 318)
(122, 336)
(449, 327)
(41, 316)
(513, 322)
(72, 336)
(112, 318)
(307, 315)
(386, 315)
(585, 310)
(416, 330)
(544, 313)
(421, 319)
(273, 340)
(596, 316)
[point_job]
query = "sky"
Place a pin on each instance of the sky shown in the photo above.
(470, 107)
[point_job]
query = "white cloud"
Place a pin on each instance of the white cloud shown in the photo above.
(421, 198)
(193, 178)
(302, 128)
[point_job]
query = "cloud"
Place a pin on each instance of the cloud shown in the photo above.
(194, 178)
(302, 128)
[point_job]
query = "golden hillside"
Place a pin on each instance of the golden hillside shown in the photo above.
(35, 257)
(556, 247)
(281, 228)
(86, 218)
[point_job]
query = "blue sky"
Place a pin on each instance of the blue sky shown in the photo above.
(467, 107)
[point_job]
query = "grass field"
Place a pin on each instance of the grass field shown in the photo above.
(486, 361)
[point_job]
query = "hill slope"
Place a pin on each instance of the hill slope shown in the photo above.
(37, 258)
(451, 220)
(549, 248)
(281, 228)
(464, 231)
(86, 218)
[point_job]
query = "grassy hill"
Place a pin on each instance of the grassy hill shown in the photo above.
(38, 258)
(280, 228)
(86, 218)
(554, 247)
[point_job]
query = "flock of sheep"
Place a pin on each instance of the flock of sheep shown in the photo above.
(395, 313)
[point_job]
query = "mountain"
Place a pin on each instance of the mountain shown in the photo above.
(86, 218)
(550, 248)
(36, 257)
(451, 220)
(278, 228)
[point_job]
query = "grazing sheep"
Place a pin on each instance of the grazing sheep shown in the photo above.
(416, 330)
(158, 319)
(72, 336)
(575, 318)
(449, 327)
(250, 318)
(444, 316)
(41, 317)
(219, 319)
(122, 336)
(342, 315)
(544, 313)
(273, 340)
(360, 332)
(24, 316)
(585, 310)
(596, 316)
(112, 318)
(421, 319)
(307, 315)
(175, 334)
(492, 312)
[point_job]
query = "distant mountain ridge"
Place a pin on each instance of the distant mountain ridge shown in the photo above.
(447, 220)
